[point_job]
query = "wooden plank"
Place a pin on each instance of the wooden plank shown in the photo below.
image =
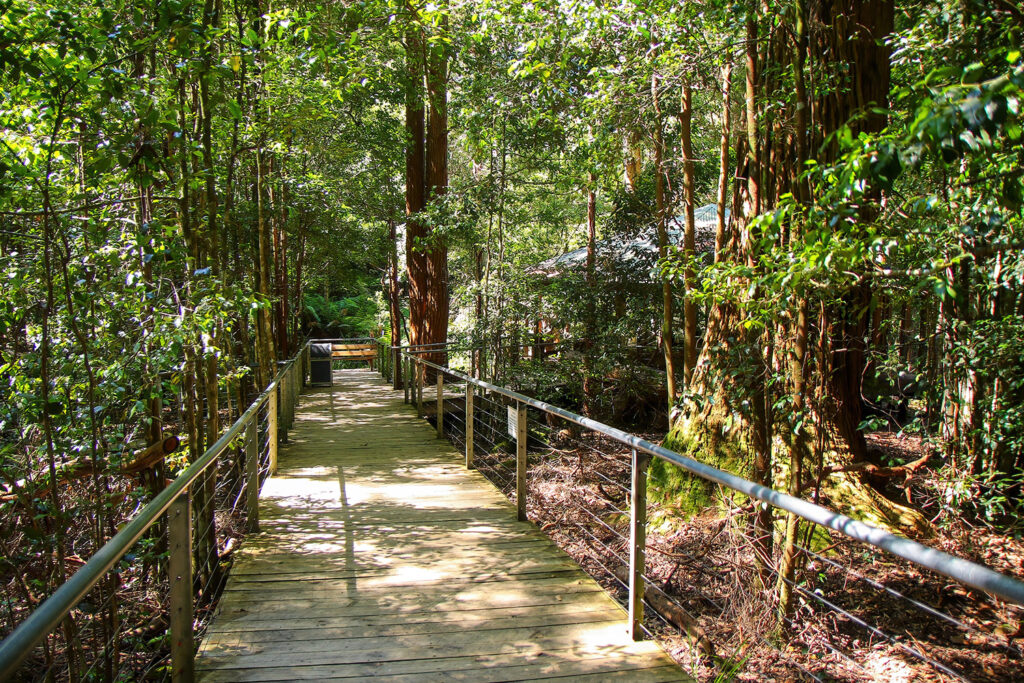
(381, 556)
(385, 601)
(597, 636)
(659, 674)
(389, 578)
(525, 666)
(576, 604)
(427, 580)
(448, 625)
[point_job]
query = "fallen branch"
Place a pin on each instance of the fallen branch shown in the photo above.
(886, 472)
(142, 459)
(908, 471)
(674, 615)
(150, 456)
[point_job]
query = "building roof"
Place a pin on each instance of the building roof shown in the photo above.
(637, 254)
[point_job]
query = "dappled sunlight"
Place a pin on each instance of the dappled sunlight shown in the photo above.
(380, 554)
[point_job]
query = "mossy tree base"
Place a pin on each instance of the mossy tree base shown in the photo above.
(719, 437)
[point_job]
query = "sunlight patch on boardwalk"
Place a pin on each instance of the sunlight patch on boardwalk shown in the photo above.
(381, 556)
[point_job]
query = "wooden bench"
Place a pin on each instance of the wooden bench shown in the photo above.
(365, 351)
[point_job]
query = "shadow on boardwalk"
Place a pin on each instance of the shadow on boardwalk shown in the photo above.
(380, 556)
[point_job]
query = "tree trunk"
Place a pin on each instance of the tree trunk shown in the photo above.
(733, 428)
(689, 236)
(634, 159)
(661, 219)
(415, 189)
(723, 160)
(394, 295)
(590, 327)
(264, 331)
(436, 318)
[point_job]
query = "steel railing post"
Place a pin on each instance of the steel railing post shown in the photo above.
(252, 476)
(179, 575)
(440, 404)
(637, 542)
(521, 462)
(469, 425)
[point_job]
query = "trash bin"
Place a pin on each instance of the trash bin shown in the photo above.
(320, 365)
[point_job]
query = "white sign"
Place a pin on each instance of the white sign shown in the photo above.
(513, 422)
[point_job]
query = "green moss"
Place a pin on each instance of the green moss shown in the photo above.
(685, 494)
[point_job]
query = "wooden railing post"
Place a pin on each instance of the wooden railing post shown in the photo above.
(637, 543)
(283, 392)
(294, 385)
(469, 425)
(440, 404)
(420, 378)
(407, 375)
(521, 462)
(305, 364)
(252, 476)
(272, 430)
(179, 575)
(282, 405)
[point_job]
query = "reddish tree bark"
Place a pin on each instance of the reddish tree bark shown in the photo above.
(437, 304)
(415, 191)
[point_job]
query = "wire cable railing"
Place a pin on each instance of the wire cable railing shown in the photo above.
(847, 619)
(136, 608)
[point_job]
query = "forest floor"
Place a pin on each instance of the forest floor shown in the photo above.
(120, 625)
(858, 614)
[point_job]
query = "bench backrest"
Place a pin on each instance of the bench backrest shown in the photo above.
(366, 351)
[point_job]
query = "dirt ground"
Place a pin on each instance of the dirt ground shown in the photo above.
(858, 615)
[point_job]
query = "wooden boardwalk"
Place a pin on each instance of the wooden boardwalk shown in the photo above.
(380, 556)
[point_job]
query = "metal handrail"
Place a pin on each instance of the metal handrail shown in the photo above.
(19, 644)
(524, 344)
(324, 340)
(964, 571)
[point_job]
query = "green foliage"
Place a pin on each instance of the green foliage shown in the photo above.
(354, 316)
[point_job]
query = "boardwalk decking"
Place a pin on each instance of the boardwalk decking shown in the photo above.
(380, 556)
